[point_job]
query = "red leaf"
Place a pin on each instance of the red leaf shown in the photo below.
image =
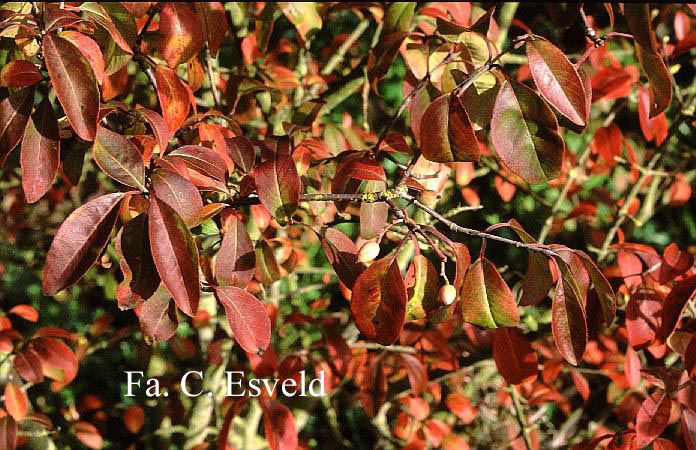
(417, 373)
(75, 84)
(524, 132)
(16, 401)
(569, 326)
(652, 417)
(267, 268)
(638, 20)
(88, 435)
(446, 133)
(674, 263)
(279, 425)
(58, 361)
(674, 305)
(557, 80)
(632, 367)
(611, 82)
(486, 299)
(652, 128)
(182, 35)
(8, 433)
(119, 158)
(179, 193)
(363, 168)
(159, 127)
(214, 21)
(15, 111)
(40, 154)
(89, 49)
(241, 150)
(140, 274)
(608, 143)
(378, 302)
(173, 98)
(203, 160)
(247, 317)
(26, 312)
(373, 215)
(133, 418)
(581, 384)
(19, 73)
(513, 354)
(461, 406)
(28, 366)
(341, 253)
(175, 254)
(157, 320)
(688, 420)
(279, 187)
(235, 262)
(79, 241)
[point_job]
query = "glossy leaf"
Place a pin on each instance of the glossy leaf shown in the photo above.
(241, 150)
(514, 357)
(446, 133)
(279, 187)
(247, 318)
(557, 80)
(524, 132)
(179, 193)
(568, 325)
(173, 98)
(16, 401)
(15, 111)
(40, 153)
(58, 361)
(19, 73)
(638, 21)
(79, 241)
(486, 300)
(181, 32)
(119, 158)
(652, 418)
(378, 302)
(235, 263)
(203, 160)
(75, 84)
(28, 366)
(175, 254)
(423, 286)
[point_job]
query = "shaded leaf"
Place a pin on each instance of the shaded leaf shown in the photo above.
(214, 22)
(342, 254)
(674, 305)
(40, 153)
(524, 132)
(304, 15)
(643, 317)
(446, 133)
(653, 417)
(247, 317)
(175, 254)
(157, 320)
(15, 111)
(486, 300)
(79, 241)
(8, 433)
(267, 268)
(235, 262)
(28, 366)
(279, 425)
(568, 325)
(241, 150)
(141, 280)
(514, 357)
(75, 84)
(423, 286)
(19, 73)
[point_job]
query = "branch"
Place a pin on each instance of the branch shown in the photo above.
(521, 417)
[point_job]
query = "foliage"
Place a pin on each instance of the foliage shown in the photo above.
(291, 189)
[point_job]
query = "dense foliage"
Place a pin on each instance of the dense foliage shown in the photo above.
(475, 220)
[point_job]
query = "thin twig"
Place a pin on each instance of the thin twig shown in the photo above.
(521, 417)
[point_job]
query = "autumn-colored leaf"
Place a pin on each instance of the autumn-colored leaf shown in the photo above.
(28, 366)
(214, 22)
(279, 187)
(247, 318)
(179, 193)
(569, 326)
(140, 274)
(379, 301)
(235, 262)
(557, 80)
(643, 317)
(342, 254)
(241, 150)
(279, 425)
(75, 84)
(89, 49)
(88, 435)
(157, 320)
(173, 98)
(638, 20)
(674, 263)
(524, 132)
(8, 433)
(267, 268)
(652, 417)
(15, 112)
(423, 285)
(373, 215)
(58, 361)
(486, 300)
(19, 73)
(16, 401)
(181, 31)
(119, 158)
(134, 418)
(516, 360)
(175, 254)
(40, 153)
(446, 133)
(674, 305)
(203, 160)
(26, 312)
(79, 241)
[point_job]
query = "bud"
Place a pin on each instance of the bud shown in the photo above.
(429, 198)
(447, 294)
(368, 252)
